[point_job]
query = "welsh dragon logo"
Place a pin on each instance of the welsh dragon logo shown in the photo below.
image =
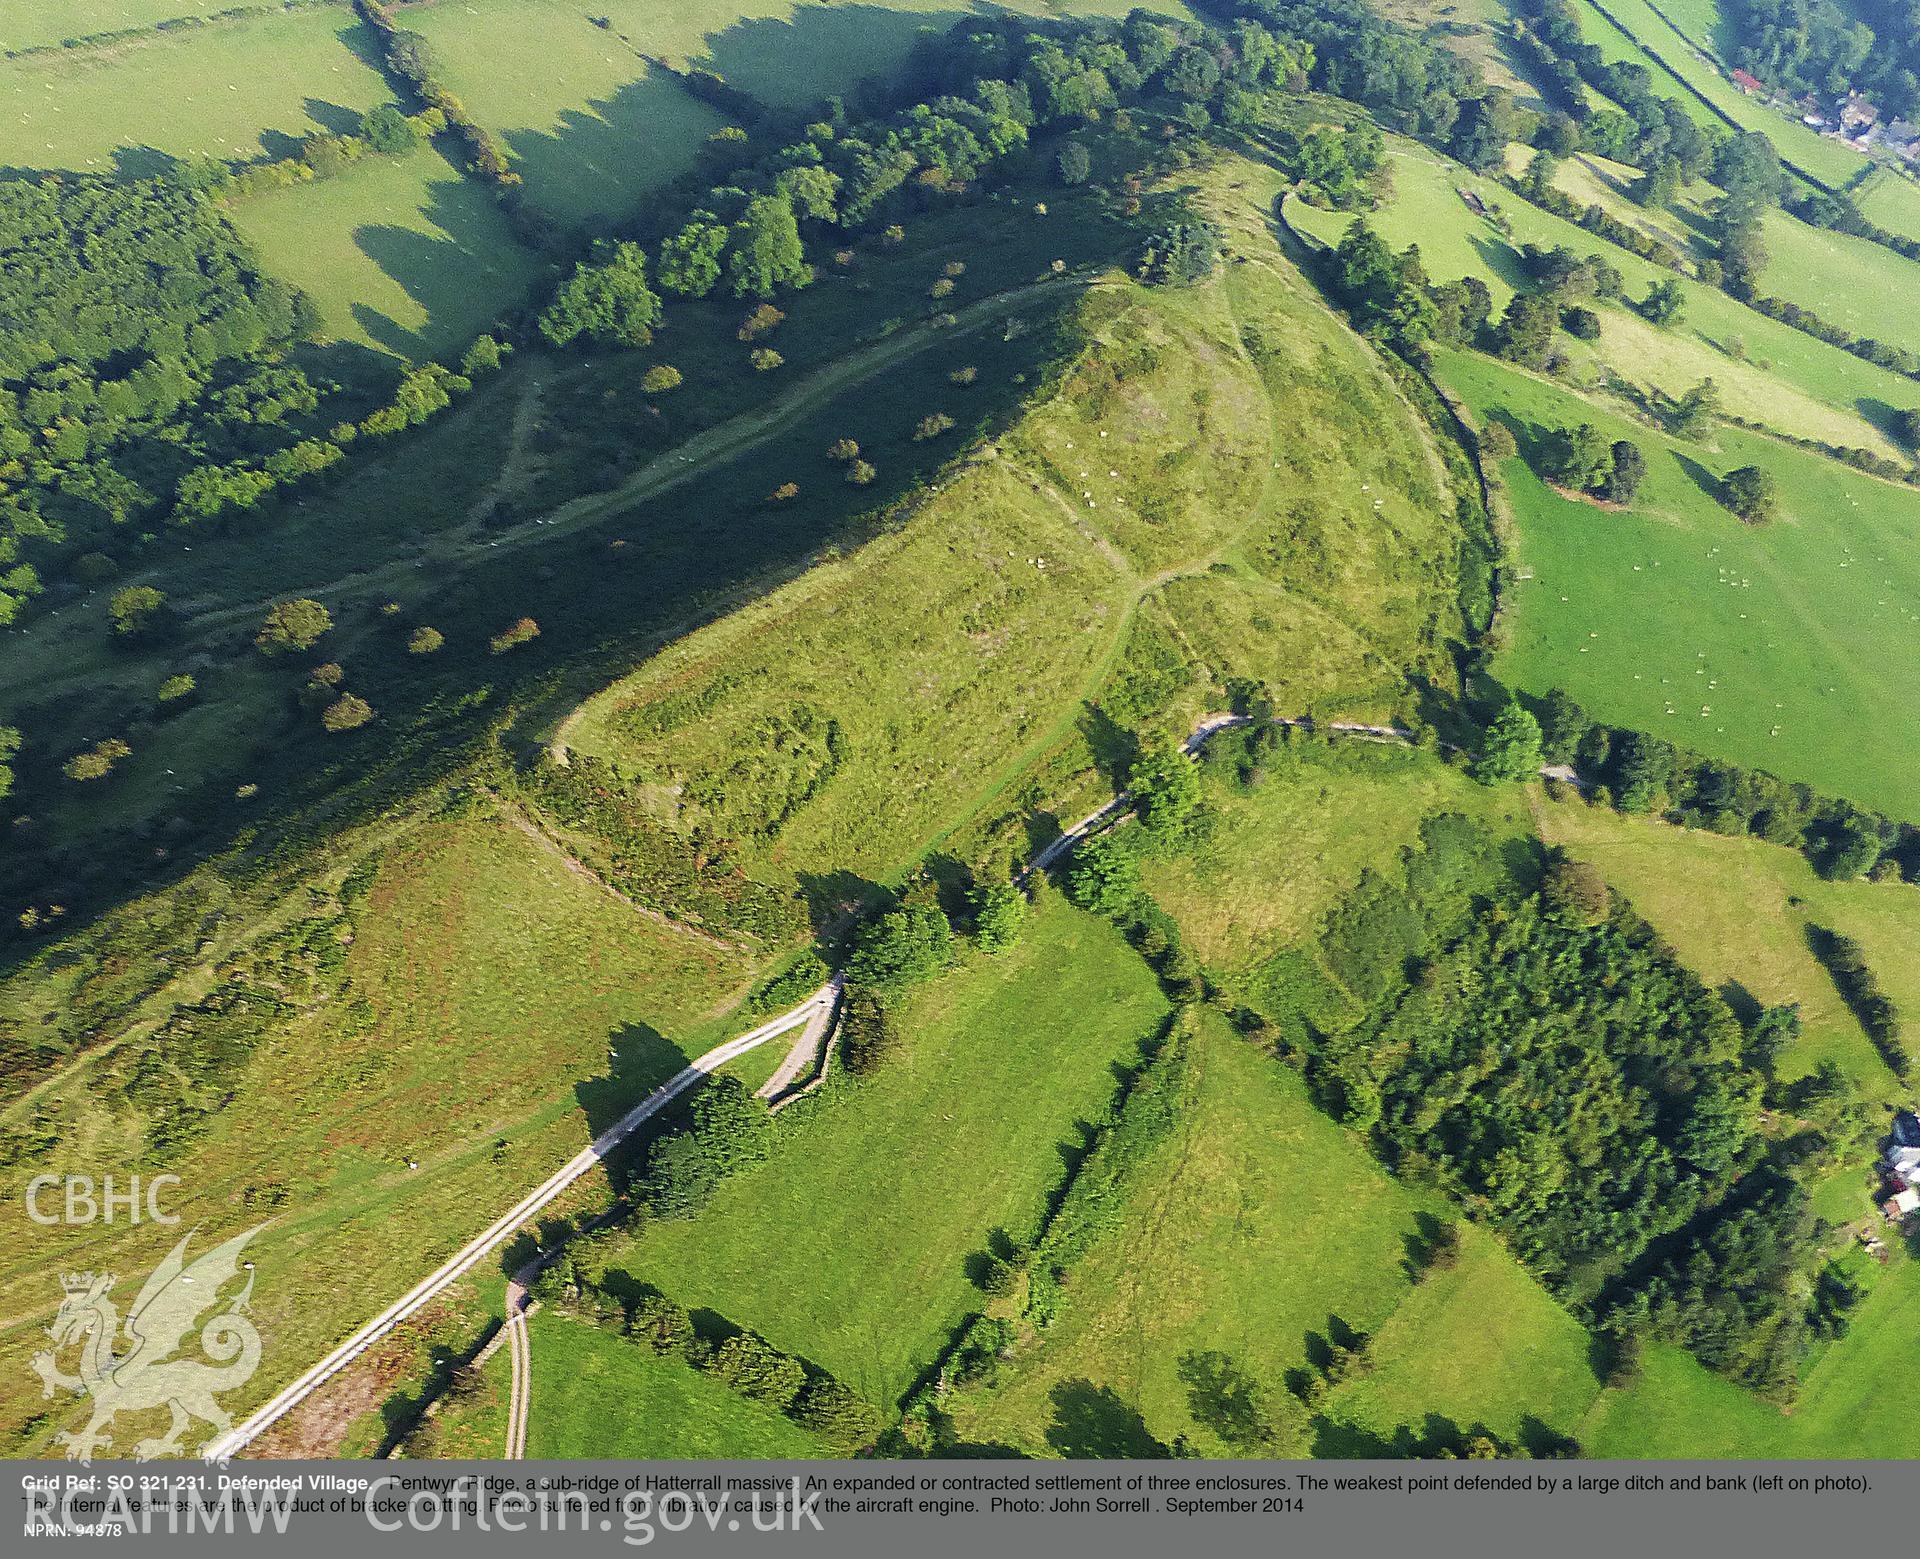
(147, 1374)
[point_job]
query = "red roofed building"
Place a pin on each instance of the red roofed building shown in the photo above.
(1747, 82)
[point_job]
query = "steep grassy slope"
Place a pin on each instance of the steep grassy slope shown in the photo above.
(1193, 502)
(433, 1036)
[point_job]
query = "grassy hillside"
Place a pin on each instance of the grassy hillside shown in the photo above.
(1256, 1231)
(1888, 200)
(1776, 646)
(1771, 373)
(1194, 484)
(1861, 286)
(850, 1244)
(413, 1014)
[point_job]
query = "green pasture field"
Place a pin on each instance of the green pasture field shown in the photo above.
(1256, 1229)
(598, 1396)
(402, 254)
(595, 1395)
(237, 92)
(1851, 1403)
(1772, 373)
(793, 53)
(850, 1244)
(497, 1009)
(1890, 200)
(32, 23)
(585, 122)
(1285, 851)
(1737, 912)
(1782, 647)
(593, 130)
(1855, 283)
(1826, 159)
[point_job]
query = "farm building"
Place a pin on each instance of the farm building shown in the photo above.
(1856, 113)
(1903, 1152)
(1747, 82)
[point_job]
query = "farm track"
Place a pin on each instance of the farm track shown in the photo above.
(473, 540)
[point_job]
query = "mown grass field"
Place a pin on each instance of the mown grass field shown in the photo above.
(597, 1396)
(403, 254)
(237, 92)
(850, 1244)
(1770, 372)
(1779, 647)
(1257, 1229)
(457, 1043)
(1737, 912)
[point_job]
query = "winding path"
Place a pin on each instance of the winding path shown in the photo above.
(522, 1389)
(508, 1223)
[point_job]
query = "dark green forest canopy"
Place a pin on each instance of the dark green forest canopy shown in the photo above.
(1588, 1095)
(138, 341)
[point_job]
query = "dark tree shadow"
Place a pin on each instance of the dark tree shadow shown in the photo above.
(334, 118)
(639, 1059)
(1092, 1423)
(1419, 1244)
(1225, 1398)
(953, 880)
(1114, 747)
(1699, 475)
(832, 898)
(1741, 1002)
(142, 162)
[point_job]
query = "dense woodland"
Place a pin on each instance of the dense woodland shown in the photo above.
(138, 341)
(1515, 1033)
(1828, 49)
